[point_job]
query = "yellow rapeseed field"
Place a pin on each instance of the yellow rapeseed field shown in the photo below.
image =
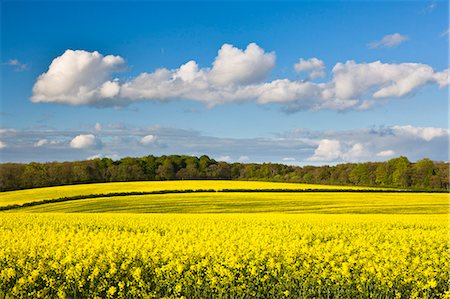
(223, 256)
(256, 202)
(223, 245)
(37, 194)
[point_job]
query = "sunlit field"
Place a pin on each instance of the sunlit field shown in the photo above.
(241, 202)
(224, 245)
(37, 194)
(223, 256)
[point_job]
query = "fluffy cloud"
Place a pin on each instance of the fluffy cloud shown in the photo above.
(389, 41)
(378, 80)
(85, 141)
(384, 142)
(335, 150)
(234, 66)
(41, 142)
(85, 78)
(314, 66)
(355, 153)
(2, 145)
(328, 150)
(78, 77)
(44, 142)
(148, 139)
(425, 133)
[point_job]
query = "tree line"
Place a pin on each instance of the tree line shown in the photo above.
(399, 172)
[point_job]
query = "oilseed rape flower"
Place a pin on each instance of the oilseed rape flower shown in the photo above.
(223, 256)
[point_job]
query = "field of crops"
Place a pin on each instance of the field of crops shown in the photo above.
(224, 245)
(241, 202)
(223, 256)
(23, 196)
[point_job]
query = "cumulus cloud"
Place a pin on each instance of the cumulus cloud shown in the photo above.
(335, 150)
(78, 77)
(44, 142)
(148, 139)
(315, 67)
(389, 41)
(378, 143)
(41, 142)
(425, 133)
(234, 66)
(327, 150)
(85, 141)
(382, 80)
(86, 78)
(355, 153)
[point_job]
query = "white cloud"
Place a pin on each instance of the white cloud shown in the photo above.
(356, 152)
(386, 153)
(314, 66)
(85, 141)
(389, 41)
(77, 77)
(425, 133)
(377, 80)
(234, 66)
(41, 142)
(328, 150)
(2, 145)
(335, 150)
(445, 32)
(85, 78)
(148, 139)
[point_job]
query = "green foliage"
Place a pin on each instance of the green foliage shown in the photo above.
(397, 172)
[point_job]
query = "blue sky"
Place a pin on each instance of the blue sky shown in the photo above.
(234, 105)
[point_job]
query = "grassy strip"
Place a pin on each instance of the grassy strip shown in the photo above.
(116, 194)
